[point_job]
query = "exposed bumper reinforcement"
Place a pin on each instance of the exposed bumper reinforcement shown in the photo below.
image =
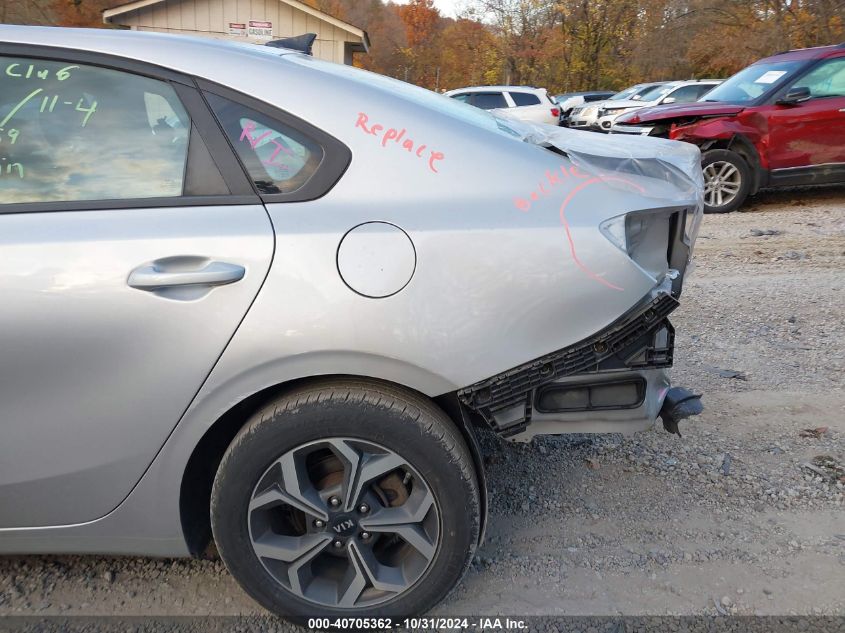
(641, 339)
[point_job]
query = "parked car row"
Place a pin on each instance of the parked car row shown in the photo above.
(779, 122)
(571, 100)
(599, 116)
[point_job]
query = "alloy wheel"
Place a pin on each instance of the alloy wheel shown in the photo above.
(722, 183)
(344, 523)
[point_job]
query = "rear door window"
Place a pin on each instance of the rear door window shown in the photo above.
(489, 100)
(73, 132)
(525, 99)
(279, 158)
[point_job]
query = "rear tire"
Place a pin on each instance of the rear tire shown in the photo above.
(727, 180)
(370, 477)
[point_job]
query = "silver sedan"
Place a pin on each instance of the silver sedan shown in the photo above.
(234, 308)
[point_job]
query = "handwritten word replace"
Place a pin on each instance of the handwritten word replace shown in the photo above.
(397, 136)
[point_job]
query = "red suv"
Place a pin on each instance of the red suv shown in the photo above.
(779, 122)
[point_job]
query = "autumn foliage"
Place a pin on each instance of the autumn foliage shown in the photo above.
(583, 44)
(558, 44)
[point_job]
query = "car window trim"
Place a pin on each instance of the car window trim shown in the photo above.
(336, 155)
(223, 155)
(95, 58)
(237, 181)
(126, 204)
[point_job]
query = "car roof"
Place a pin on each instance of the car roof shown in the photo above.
(645, 84)
(180, 52)
(500, 88)
(700, 81)
(585, 92)
(690, 82)
(817, 52)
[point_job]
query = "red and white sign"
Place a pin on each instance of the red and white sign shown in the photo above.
(260, 29)
(237, 28)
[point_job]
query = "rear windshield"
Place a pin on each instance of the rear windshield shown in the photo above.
(752, 82)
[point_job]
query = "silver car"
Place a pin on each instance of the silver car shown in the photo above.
(234, 309)
(586, 117)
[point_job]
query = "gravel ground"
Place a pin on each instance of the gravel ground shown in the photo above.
(743, 515)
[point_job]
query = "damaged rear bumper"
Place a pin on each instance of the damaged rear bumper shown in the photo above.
(613, 381)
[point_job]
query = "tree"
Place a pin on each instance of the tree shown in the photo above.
(469, 55)
(557, 44)
(80, 12)
(422, 26)
(523, 28)
(26, 12)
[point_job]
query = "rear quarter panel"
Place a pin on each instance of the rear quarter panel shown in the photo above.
(495, 284)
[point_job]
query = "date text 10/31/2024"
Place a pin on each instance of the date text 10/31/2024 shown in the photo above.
(31, 73)
(418, 624)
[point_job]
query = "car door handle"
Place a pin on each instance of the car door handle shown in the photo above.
(173, 272)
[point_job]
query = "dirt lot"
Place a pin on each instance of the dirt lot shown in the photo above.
(728, 519)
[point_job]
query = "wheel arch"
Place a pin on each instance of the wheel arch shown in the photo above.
(201, 467)
(743, 146)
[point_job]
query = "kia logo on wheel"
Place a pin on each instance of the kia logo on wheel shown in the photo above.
(343, 526)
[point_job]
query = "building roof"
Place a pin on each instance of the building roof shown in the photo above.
(134, 5)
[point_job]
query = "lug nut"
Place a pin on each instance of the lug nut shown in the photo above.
(365, 536)
(338, 544)
(318, 523)
(334, 502)
(363, 508)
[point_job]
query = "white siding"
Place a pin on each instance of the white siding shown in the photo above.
(211, 18)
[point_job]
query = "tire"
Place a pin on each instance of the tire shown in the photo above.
(726, 173)
(307, 432)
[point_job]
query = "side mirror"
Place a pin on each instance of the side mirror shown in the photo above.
(795, 95)
(668, 100)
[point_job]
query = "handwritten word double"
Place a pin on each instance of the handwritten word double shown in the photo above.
(553, 179)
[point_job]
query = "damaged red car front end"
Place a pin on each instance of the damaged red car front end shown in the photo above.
(779, 122)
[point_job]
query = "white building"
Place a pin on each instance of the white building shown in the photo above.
(244, 20)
